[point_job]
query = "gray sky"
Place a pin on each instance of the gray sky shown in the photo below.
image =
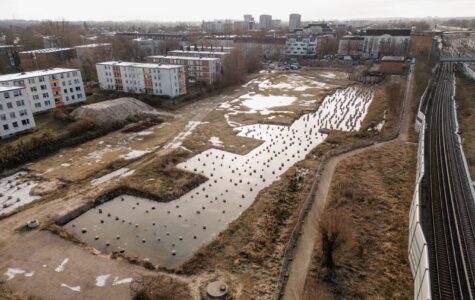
(197, 10)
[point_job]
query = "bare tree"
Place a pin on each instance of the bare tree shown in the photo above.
(336, 232)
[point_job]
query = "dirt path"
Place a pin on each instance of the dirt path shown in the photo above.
(303, 255)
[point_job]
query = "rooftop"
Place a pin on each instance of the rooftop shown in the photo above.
(48, 50)
(393, 58)
(393, 32)
(93, 45)
(9, 88)
(200, 52)
(138, 65)
(184, 57)
(353, 37)
(24, 75)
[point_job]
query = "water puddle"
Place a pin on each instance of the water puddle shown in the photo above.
(169, 233)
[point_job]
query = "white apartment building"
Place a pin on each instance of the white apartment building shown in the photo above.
(142, 78)
(204, 69)
(301, 46)
(215, 54)
(48, 89)
(15, 112)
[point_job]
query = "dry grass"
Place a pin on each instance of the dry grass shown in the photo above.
(376, 267)
(159, 287)
(465, 98)
(7, 294)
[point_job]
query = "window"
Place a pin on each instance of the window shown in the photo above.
(3, 117)
(5, 127)
(23, 112)
(1, 107)
(38, 105)
(41, 79)
(78, 88)
(79, 96)
(15, 124)
(72, 97)
(9, 105)
(20, 103)
(65, 91)
(36, 97)
(71, 90)
(17, 93)
(43, 87)
(31, 80)
(25, 122)
(45, 95)
(12, 115)
(33, 89)
(6, 95)
(47, 103)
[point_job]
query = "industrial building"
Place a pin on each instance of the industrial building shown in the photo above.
(386, 42)
(301, 46)
(48, 89)
(395, 65)
(294, 22)
(142, 78)
(422, 43)
(15, 112)
(213, 54)
(45, 58)
(198, 69)
(351, 46)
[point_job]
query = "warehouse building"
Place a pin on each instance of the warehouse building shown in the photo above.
(142, 78)
(386, 42)
(198, 69)
(351, 46)
(48, 89)
(15, 112)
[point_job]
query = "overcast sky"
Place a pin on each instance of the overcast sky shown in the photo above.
(197, 10)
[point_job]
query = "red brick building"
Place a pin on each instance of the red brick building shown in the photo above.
(393, 65)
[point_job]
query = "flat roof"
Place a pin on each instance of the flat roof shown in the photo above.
(352, 37)
(184, 57)
(393, 58)
(199, 52)
(392, 32)
(138, 65)
(48, 50)
(93, 45)
(9, 88)
(24, 75)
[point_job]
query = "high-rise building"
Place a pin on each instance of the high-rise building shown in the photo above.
(250, 23)
(294, 22)
(276, 24)
(265, 22)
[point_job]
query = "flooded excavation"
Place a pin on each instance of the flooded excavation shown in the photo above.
(169, 233)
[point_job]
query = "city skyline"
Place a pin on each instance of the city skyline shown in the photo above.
(208, 10)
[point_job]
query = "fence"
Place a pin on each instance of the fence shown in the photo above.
(418, 251)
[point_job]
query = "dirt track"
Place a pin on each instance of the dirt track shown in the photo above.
(303, 255)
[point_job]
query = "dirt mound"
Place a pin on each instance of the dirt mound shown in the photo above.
(112, 111)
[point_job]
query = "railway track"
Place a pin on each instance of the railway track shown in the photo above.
(450, 221)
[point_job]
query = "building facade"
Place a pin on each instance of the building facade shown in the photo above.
(15, 112)
(142, 78)
(212, 54)
(351, 46)
(45, 58)
(301, 46)
(97, 51)
(395, 65)
(198, 69)
(294, 22)
(265, 22)
(48, 89)
(387, 42)
(422, 43)
(9, 60)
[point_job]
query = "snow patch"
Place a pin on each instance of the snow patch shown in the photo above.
(60, 268)
(72, 288)
(101, 280)
(121, 281)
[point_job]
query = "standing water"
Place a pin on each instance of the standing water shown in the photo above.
(169, 233)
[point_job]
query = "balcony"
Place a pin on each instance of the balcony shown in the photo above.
(57, 97)
(56, 89)
(54, 81)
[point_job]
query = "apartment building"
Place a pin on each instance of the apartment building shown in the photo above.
(45, 58)
(294, 22)
(142, 78)
(301, 46)
(9, 60)
(15, 112)
(265, 22)
(48, 89)
(198, 69)
(213, 54)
